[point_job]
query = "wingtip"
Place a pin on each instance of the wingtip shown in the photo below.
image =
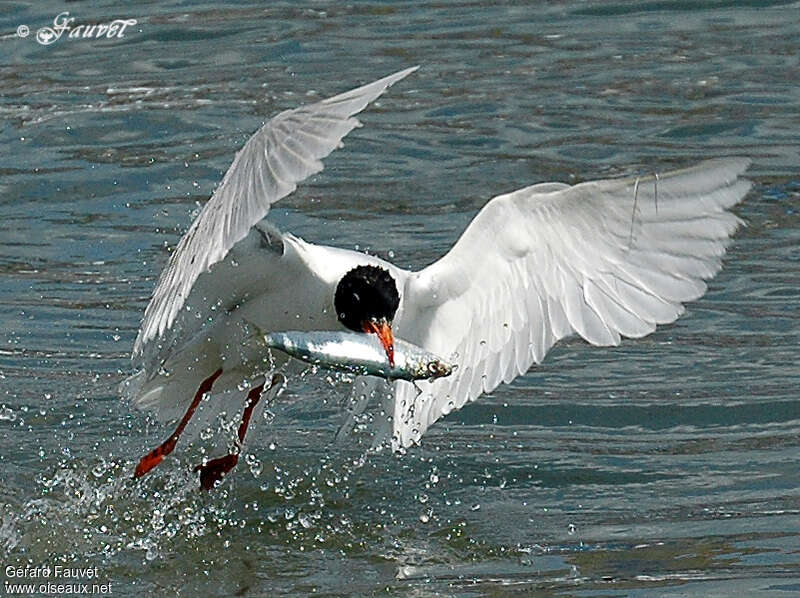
(739, 163)
(369, 92)
(736, 164)
(736, 167)
(725, 171)
(399, 75)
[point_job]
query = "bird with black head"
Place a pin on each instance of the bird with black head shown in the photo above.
(366, 300)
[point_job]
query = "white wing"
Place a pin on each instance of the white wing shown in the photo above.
(603, 259)
(285, 151)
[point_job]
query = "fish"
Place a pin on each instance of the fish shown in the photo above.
(359, 353)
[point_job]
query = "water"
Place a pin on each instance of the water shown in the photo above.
(667, 466)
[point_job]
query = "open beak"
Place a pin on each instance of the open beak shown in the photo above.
(384, 331)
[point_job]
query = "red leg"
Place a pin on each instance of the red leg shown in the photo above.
(213, 471)
(154, 457)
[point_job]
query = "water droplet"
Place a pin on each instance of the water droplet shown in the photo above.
(254, 464)
(571, 529)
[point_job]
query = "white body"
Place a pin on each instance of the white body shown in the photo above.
(252, 286)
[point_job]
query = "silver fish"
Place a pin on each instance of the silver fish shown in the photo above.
(359, 353)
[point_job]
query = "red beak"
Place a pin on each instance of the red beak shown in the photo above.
(384, 331)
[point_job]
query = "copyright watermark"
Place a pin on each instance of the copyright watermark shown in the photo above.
(65, 26)
(57, 580)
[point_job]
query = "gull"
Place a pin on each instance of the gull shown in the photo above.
(603, 259)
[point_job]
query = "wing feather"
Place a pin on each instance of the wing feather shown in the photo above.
(284, 152)
(604, 259)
